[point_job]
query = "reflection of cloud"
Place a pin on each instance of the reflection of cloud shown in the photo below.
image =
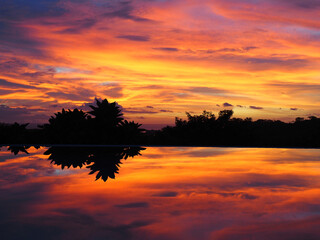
(133, 205)
(171, 197)
(204, 152)
(166, 194)
(264, 180)
(241, 195)
(284, 230)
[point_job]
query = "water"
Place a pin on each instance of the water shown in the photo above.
(164, 193)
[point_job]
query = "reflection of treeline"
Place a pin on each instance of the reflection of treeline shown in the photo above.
(102, 161)
(105, 125)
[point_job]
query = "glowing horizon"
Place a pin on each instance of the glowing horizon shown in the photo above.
(159, 59)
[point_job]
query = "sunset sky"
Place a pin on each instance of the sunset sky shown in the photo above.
(160, 58)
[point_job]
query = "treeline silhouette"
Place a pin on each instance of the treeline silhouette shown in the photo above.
(207, 130)
(105, 124)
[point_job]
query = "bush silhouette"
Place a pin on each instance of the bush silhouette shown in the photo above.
(13, 133)
(67, 126)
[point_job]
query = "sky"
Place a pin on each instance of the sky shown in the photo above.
(160, 58)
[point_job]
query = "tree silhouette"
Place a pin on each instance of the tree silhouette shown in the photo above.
(106, 114)
(130, 131)
(67, 127)
(109, 126)
(225, 115)
(13, 133)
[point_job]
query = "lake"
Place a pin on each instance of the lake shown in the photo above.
(159, 193)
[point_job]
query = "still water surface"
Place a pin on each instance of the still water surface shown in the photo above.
(160, 193)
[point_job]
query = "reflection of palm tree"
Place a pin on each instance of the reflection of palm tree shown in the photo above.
(16, 149)
(103, 161)
(68, 156)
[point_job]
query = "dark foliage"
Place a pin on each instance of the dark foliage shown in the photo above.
(67, 127)
(206, 130)
(105, 124)
(13, 133)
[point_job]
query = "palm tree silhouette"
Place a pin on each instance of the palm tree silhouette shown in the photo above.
(107, 114)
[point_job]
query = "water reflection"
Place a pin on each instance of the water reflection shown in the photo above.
(103, 161)
(165, 193)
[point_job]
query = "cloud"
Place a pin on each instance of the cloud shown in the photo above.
(284, 12)
(236, 50)
(7, 91)
(139, 111)
(137, 38)
(227, 104)
(21, 114)
(168, 111)
(49, 73)
(294, 109)
(167, 49)
(306, 4)
(255, 107)
(207, 91)
(77, 94)
(20, 41)
(113, 90)
(12, 65)
(124, 10)
(79, 26)
(24, 10)
(296, 87)
(5, 83)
